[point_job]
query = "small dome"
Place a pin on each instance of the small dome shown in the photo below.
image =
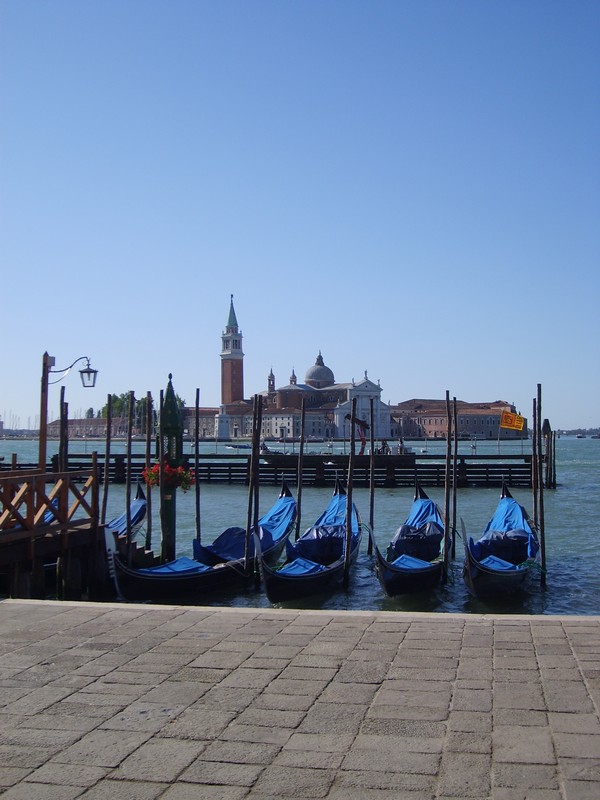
(319, 376)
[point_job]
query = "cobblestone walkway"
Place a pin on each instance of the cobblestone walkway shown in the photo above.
(132, 702)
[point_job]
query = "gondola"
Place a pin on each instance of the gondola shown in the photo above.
(137, 515)
(316, 561)
(215, 568)
(414, 558)
(500, 562)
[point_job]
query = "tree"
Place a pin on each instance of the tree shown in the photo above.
(120, 408)
(89, 414)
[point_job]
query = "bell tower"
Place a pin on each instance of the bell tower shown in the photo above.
(232, 361)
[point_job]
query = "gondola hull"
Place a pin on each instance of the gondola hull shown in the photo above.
(414, 562)
(397, 580)
(501, 562)
(195, 581)
(316, 563)
(280, 587)
(486, 583)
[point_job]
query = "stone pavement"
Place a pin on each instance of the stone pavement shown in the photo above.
(136, 702)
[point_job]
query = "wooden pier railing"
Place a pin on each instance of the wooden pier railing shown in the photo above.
(321, 470)
(50, 520)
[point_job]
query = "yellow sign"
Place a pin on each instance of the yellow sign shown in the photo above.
(513, 421)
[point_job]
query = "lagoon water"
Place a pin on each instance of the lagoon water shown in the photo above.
(572, 525)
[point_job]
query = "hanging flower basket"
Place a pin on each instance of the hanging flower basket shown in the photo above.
(174, 477)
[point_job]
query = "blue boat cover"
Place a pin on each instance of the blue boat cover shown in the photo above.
(230, 545)
(422, 512)
(421, 535)
(509, 516)
(410, 562)
(301, 566)
(179, 566)
(137, 512)
(493, 562)
(335, 513)
(508, 535)
(323, 544)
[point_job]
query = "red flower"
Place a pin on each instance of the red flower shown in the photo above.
(173, 477)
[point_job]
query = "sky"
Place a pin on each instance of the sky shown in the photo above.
(410, 187)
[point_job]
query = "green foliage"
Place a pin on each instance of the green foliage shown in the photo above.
(120, 408)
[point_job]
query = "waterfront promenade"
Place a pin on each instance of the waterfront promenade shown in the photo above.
(136, 702)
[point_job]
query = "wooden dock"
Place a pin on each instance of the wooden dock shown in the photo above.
(50, 520)
(321, 470)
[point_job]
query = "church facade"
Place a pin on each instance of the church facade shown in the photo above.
(327, 404)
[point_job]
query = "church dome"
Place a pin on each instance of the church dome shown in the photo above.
(319, 376)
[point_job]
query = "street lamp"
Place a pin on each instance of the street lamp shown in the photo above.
(88, 379)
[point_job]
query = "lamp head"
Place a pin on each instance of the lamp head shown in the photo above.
(88, 375)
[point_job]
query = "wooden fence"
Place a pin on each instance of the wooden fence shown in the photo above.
(50, 520)
(429, 470)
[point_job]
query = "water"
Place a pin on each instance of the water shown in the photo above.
(572, 514)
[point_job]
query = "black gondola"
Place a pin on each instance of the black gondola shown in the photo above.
(216, 568)
(316, 561)
(500, 562)
(137, 515)
(414, 557)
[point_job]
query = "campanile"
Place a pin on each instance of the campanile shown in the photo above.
(232, 361)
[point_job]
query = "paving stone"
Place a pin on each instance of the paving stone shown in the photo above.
(271, 717)
(124, 790)
(464, 775)
(102, 748)
(393, 781)
(67, 774)
(215, 773)
(41, 791)
(286, 702)
(198, 724)
(24, 756)
(577, 745)
(256, 733)
(386, 761)
(236, 752)
(541, 776)
(320, 742)
(11, 775)
(309, 759)
(159, 760)
(523, 745)
(195, 791)
(283, 781)
(332, 718)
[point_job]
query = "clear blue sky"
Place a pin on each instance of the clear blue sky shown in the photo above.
(411, 187)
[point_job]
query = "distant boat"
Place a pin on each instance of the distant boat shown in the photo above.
(581, 436)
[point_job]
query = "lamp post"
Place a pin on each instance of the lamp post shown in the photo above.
(88, 379)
